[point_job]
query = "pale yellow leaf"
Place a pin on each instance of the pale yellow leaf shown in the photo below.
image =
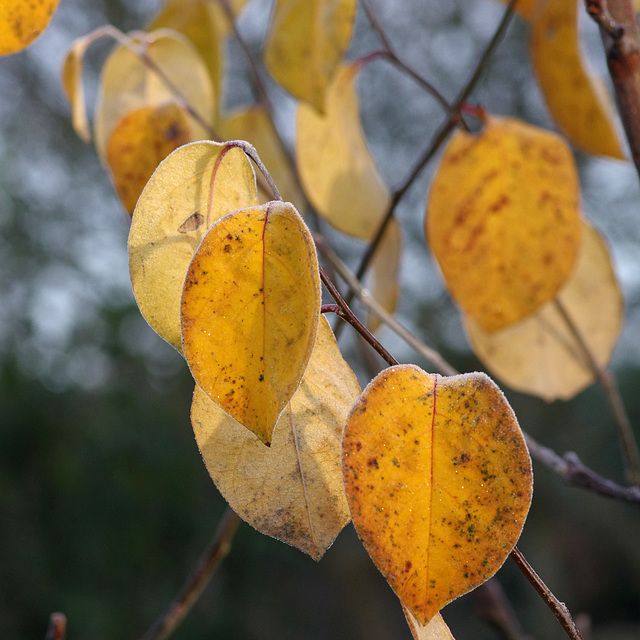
(127, 83)
(579, 103)
(438, 480)
(383, 276)
(139, 142)
(254, 125)
(191, 189)
(22, 22)
(435, 629)
(292, 490)
(306, 42)
(74, 87)
(337, 171)
(540, 355)
(250, 309)
(503, 220)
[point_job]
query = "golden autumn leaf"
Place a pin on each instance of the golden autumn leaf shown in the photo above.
(383, 277)
(206, 27)
(338, 173)
(306, 42)
(293, 489)
(526, 8)
(250, 309)
(503, 220)
(579, 102)
(435, 629)
(191, 189)
(439, 482)
(74, 87)
(254, 125)
(22, 22)
(127, 83)
(540, 355)
(139, 142)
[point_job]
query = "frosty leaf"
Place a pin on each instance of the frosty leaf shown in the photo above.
(438, 479)
(250, 309)
(540, 355)
(503, 220)
(292, 490)
(191, 189)
(337, 171)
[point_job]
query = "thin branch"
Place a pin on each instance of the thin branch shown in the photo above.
(493, 606)
(612, 393)
(400, 64)
(380, 312)
(620, 34)
(250, 150)
(57, 629)
(342, 309)
(218, 548)
(576, 474)
(560, 610)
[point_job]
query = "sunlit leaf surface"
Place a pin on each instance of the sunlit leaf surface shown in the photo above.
(139, 142)
(526, 8)
(541, 355)
(22, 22)
(438, 480)
(579, 102)
(74, 87)
(250, 309)
(127, 83)
(191, 189)
(435, 629)
(503, 220)
(305, 44)
(292, 490)
(337, 171)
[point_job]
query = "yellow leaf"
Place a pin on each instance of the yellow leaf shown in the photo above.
(337, 170)
(383, 276)
(435, 629)
(22, 22)
(253, 124)
(127, 83)
(205, 25)
(438, 480)
(306, 42)
(191, 189)
(579, 103)
(74, 87)
(292, 490)
(540, 355)
(526, 8)
(139, 142)
(503, 220)
(250, 310)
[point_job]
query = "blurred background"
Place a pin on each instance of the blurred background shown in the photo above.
(105, 503)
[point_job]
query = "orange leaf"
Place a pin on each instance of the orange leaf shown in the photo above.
(293, 489)
(22, 22)
(503, 220)
(191, 189)
(250, 309)
(579, 102)
(540, 355)
(438, 479)
(139, 142)
(337, 171)
(526, 8)
(127, 83)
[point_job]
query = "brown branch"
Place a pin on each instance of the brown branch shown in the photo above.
(218, 548)
(620, 35)
(612, 393)
(576, 474)
(559, 609)
(57, 629)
